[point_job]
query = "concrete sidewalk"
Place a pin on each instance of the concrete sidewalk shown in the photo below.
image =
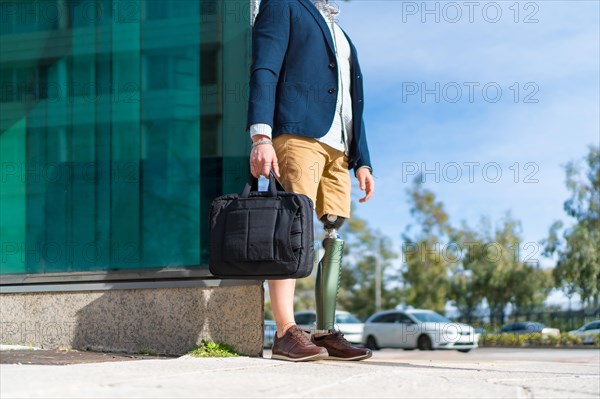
(483, 373)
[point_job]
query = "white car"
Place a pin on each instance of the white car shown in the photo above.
(417, 328)
(588, 332)
(346, 322)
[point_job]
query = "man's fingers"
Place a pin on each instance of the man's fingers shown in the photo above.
(370, 188)
(361, 181)
(276, 168)
(369, 185)
(252, 169)
(262, 161)
(265, 169)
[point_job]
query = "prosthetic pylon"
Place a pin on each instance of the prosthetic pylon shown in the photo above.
(328, 274)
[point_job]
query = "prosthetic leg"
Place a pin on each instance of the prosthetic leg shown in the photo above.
(328, 273)
(326, 287)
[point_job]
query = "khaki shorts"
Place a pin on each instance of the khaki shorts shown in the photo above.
(309, 167)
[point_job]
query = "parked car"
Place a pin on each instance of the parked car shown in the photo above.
(270, 329)
(346, 322)
(588, 332)
(528, 327)
(417, 328)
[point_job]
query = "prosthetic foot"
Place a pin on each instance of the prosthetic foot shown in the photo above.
(328, 273)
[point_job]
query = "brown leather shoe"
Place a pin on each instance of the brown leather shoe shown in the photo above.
(340, 349)
(295, 346)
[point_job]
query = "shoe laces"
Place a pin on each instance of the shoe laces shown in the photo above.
(299, 334)
(339, 337)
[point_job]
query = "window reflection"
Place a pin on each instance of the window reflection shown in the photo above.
(113, 131)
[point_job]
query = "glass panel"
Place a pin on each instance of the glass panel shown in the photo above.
(386, 318)
(121, 121)
(431, 317)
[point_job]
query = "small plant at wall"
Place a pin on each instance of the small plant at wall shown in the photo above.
(212, 349)
(147, 351)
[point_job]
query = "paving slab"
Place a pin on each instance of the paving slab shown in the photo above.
(388, 374)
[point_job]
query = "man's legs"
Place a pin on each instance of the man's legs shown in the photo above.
(320, 172)
(295, 156)
(300, 162)
(333, 207)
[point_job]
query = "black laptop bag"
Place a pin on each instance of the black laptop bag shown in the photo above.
(262, 235)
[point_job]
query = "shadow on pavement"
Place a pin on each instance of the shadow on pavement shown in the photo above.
(62, 357)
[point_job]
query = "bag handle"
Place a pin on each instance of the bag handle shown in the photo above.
(252, 185)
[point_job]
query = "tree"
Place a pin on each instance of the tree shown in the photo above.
(463, 290)
(578, 257)
(365, 251)
(492, 270)
(426, 269)
(534, 286)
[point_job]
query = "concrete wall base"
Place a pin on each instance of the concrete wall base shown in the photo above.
(147, 320)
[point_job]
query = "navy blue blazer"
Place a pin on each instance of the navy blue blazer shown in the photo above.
(294, 78)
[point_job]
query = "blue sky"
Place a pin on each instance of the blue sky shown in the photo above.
(553, 61)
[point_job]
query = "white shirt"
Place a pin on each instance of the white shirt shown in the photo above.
(339, 134)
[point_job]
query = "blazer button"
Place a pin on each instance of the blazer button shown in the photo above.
(331, 90)
(332, 65)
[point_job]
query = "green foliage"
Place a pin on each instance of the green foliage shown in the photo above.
(304, 293)
(147, 351)
(567, 339)
(268, 310)
(466, 265)
(365, 250)
(578, 264)
(426, 266)
(503, 339)
(211, 349)
(531, 339)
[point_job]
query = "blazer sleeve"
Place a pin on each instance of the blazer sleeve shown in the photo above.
(270, 37)
(365, 158)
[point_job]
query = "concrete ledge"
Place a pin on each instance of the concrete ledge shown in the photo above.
(163, 320)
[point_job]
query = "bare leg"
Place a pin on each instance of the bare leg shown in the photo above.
(282, 302)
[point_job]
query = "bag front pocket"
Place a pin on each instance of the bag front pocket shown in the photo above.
(258, 234)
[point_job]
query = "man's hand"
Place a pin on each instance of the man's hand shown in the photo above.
(366, 183)
(262, 158)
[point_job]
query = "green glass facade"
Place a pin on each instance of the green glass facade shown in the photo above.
(120, 122)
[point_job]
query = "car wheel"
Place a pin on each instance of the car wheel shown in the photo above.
(409, 349)
(372, 343)
(464, 350)
(424, 343)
